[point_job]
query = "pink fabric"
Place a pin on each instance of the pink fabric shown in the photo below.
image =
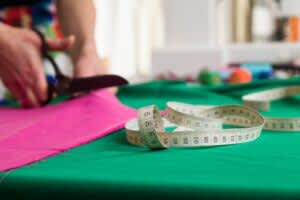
(27, 136)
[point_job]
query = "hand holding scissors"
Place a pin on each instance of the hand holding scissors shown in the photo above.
(65, 85)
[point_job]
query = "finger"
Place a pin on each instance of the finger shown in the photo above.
(24, 93)
(86, 71)
(22, 90)
(53, 44)
(86, 67)
(30, 101)
(61, 44)
(40, 86)
(13, 87)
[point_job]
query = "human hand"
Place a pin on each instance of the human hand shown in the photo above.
(91, 65)
(21, 68)
(87, 62)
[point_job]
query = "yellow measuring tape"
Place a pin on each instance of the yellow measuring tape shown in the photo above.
(200, 126)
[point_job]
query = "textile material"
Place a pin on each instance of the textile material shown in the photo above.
(110, 168)
(31, 135)
(41, 15)
(5, 3)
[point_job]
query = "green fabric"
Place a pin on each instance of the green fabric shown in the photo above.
(111, 168)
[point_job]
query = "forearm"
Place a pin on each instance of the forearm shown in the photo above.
(78, 18)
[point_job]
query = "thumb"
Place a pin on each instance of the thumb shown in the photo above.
(61, 44)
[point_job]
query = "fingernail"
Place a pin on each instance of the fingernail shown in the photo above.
(71, 38)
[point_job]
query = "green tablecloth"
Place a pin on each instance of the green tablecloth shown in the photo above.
(111, 168)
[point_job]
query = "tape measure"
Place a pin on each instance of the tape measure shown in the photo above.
(261, 101)
(202, 126)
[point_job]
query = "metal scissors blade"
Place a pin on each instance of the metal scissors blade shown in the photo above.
(70, 86)
(80, 85)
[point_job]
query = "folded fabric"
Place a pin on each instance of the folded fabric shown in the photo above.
(27, 136)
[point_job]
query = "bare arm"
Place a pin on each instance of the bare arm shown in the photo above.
(77, 17)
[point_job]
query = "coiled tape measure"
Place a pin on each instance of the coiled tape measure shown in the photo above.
(202, 126)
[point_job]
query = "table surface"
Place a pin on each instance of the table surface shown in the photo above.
(111, 168)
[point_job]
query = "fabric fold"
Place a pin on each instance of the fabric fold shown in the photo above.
(27, 136)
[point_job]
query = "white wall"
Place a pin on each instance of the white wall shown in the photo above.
(115, 34)
(190, 37)
(187, 23)
(193, 34)
(291, 7)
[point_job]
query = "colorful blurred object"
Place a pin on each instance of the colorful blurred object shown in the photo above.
(209, 77)
(3, 102)
(19, 16)
(240, 75)
(51, 79)
(225, 73)
(259, 70)
(265, 75)
(293, 29)
(8, 96)
(236, 73)
(41, 15)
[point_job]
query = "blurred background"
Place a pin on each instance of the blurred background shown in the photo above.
(143, 39)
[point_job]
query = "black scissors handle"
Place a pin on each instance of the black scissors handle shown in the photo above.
(62, 80)
(71, 86)
(45, 54)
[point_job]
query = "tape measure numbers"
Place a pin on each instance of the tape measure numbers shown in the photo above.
(196, 126)
(200, 126)
(261, 101)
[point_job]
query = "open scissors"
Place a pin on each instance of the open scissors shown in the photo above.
(64, 85)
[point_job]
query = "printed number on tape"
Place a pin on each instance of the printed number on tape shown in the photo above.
(200, 126)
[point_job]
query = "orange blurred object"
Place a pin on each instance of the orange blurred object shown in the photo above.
(293, 29)
(240, 76)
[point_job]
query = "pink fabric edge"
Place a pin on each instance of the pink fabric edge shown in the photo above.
(45, 153)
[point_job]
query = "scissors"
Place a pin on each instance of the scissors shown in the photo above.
(64, 85)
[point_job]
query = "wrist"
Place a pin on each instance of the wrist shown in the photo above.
(83, 49)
